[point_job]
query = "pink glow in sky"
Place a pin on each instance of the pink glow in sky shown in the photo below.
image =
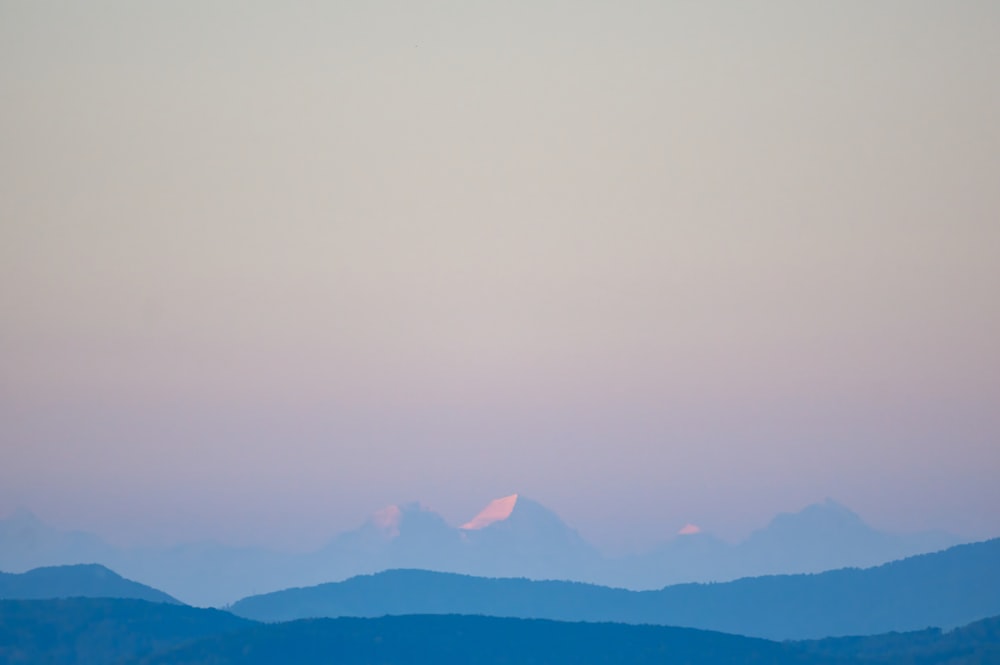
(689, 530)
(388, 520)
(724, 259)
(497, 511)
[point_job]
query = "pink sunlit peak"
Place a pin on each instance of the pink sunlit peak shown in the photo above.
(689, 530)
(388, 520)
(497, 511)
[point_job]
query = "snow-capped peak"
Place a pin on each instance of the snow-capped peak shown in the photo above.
(496, 511)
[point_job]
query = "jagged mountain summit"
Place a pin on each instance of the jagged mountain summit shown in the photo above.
(497, 510)
(512, 535)
(397, 536)
(515, 536)
(828, 535)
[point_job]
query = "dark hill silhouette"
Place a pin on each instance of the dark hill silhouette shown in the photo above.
(476, 640)
(399, 592)
(101, 630)
(977, 642)
(88, 580)
(945, 589)
(128, 631)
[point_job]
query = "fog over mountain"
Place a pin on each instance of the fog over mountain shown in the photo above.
(512, 536)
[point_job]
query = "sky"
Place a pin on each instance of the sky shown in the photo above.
(266, 268)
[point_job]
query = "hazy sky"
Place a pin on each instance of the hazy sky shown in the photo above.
(266, 267)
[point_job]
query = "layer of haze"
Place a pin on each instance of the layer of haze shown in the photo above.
(267, 267)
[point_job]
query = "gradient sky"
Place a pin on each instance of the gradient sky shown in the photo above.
(266, 267)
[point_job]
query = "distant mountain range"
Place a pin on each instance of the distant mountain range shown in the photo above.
(26, 542)
(822, 536)
(80, 580)
(198, 573)
(944, 589)
(130, 632)
(512, 536)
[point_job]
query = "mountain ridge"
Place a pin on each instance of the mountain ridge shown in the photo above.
(946, 588)
(529, 541)
(79, 580)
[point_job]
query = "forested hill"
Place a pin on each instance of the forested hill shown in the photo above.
(131, 632)
(946, 589)
(87, 631)
(81, 580)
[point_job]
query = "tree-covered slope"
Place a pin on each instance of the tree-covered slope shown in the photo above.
(86, 631)
(81, 580)
(477, 640)
(133, 632)
(946, 589)
(975, 644)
